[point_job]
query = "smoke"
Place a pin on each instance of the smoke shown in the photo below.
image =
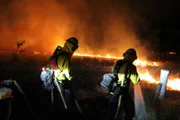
(102, 27)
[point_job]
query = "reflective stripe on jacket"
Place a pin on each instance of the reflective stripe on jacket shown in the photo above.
(132, 74)
(63, 63)
(64, 72)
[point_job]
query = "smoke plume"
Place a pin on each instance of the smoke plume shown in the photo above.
(102, 27)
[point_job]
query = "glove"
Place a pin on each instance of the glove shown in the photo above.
(8, 82)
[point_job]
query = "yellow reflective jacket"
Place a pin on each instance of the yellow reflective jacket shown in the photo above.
(64, 66)
(132, 75)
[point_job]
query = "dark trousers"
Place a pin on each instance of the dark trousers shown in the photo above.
(127, 108)
(5, 108)
(67, 92)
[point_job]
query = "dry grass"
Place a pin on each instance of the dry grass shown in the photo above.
(166, 109)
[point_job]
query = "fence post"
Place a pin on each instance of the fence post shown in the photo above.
(163, 80)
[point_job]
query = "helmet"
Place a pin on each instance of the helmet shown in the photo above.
(73, 41)
(131, 51)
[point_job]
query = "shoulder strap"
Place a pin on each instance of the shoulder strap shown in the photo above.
(53, 59)
(126, 71)
(61, 53)
(57, 49)
(118, 65)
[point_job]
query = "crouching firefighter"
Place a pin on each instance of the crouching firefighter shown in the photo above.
(60, 64)
(120, 98)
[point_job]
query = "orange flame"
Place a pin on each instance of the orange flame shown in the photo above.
(36, 53)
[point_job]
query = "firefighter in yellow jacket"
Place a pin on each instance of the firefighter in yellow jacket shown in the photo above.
(127, 74)
(64, 59)
(63, 72)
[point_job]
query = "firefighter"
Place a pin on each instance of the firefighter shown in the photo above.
(127, 74)
(64, 73)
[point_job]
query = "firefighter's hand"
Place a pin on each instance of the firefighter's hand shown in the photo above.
(7, 82)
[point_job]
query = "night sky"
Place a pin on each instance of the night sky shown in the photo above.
(101, 25)
(163, 19)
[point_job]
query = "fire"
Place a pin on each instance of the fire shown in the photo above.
(173, 84)
(137, 62)
(146, 76)
(36, 53)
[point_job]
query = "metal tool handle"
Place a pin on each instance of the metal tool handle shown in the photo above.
(60, 92)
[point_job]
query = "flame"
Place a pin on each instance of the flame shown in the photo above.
(36, 53)
(146, 76)
(137, 62)
(172, 84)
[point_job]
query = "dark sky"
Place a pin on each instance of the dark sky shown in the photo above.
(163, 16)
(102, 26)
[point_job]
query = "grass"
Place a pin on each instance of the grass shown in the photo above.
(166, 109)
